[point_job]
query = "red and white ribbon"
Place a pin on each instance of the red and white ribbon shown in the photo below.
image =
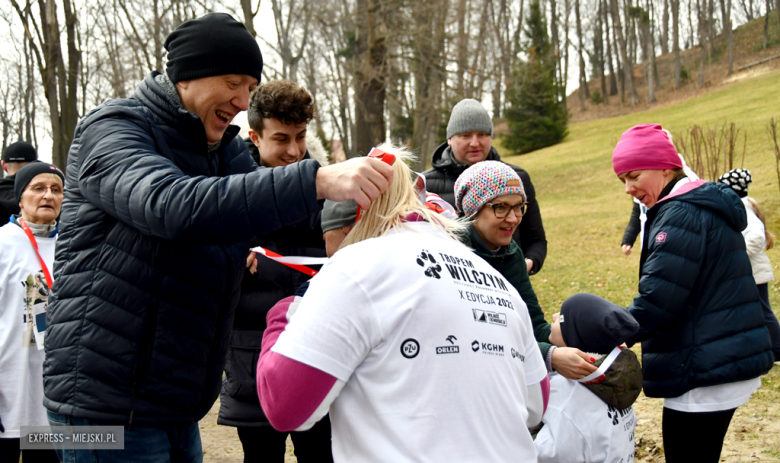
(295, 262)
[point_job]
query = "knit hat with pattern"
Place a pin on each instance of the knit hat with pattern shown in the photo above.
(212, 45)
(482, 182)
(738, 179)
(469, 116)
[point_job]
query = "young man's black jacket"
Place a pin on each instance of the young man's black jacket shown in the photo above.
(239, 403)
(154, 236)
(529, 234)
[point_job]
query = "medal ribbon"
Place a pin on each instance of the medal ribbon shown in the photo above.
(30, 235)
(295, 262)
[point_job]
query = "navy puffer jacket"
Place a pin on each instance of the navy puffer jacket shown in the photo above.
(154, 234)
(698, 309)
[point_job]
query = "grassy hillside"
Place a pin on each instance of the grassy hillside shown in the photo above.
(585, 208)
(585, 211)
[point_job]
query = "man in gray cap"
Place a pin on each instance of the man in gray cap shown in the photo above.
(469, 141)
(161, 203)
(15, 156)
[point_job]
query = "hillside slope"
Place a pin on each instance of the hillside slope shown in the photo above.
(748, 48)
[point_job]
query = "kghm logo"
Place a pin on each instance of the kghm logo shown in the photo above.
(426, 258)
(517, 355)
(488, 348)
(453, 349)
(410, 348)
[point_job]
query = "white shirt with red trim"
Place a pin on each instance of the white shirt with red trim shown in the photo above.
(21, 363)
(436, 349)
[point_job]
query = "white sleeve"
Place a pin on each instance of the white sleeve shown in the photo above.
(755, 236)
(334, 327)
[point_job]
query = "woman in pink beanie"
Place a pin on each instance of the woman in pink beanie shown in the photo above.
(704, 343)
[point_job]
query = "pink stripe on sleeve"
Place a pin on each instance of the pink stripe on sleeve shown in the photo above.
(290, 391)
(545, 384)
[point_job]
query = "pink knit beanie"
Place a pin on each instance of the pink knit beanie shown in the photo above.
(645, 147)
(482, 182)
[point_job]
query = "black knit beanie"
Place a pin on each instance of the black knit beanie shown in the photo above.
(212, 45)
(593, 324)
(20, 151)
(26, 174)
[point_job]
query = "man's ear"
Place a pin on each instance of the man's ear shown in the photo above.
(449, 141)
(4, 167)
(255, 137)
(183, 84)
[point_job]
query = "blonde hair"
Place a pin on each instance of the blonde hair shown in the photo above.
(401, 199)
(770, 237)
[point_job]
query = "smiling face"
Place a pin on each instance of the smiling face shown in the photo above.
(41, 199)
(646, 185)
(470, 147)
(496, 232)
(280, 144)
(216, 100)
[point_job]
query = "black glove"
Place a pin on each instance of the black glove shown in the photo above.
(2, 429)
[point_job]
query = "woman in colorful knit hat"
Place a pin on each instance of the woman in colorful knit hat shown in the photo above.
(757, 239)
(704, 343)
(490, 195)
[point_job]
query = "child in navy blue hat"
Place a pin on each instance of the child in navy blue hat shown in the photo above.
(592, 419)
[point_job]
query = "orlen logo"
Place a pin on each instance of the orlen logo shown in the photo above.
(517, 355)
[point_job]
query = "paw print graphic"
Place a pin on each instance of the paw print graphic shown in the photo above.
(612, 413)
(426, 259)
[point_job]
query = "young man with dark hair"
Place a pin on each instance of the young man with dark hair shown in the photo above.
(279, 113)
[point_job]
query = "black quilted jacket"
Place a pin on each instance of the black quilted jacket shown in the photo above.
(154, 236)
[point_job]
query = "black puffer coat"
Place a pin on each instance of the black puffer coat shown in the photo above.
(154, 237)
(698, 309)
(239, 404)
(529, 234)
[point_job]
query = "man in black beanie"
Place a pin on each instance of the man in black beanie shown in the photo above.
(162, 200)
(15, 156)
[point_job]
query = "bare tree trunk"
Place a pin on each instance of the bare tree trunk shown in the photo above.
(766, 26)
(651, 61)
(599, 46)
(430, 30)
(676, 40)
(613, 90)
(727, 24)
(556, 44)
(583, 92)
(665, 29)
(627, 70)
(249, 15)
(565, 71)
(702, 40)
(463, 49)
(370, 76)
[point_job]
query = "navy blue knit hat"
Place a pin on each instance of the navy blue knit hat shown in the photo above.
(212, 45)
(593, 324)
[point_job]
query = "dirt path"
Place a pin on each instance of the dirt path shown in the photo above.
(754, 434)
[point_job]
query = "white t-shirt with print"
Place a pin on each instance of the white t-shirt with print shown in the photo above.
(580, 428)
(435, 346)
(21, 363)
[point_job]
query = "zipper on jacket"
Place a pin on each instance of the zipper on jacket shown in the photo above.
(144, 356)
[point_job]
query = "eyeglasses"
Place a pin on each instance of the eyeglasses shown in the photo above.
(501, 210)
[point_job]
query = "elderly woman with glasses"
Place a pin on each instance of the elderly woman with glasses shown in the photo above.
(490, 195)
